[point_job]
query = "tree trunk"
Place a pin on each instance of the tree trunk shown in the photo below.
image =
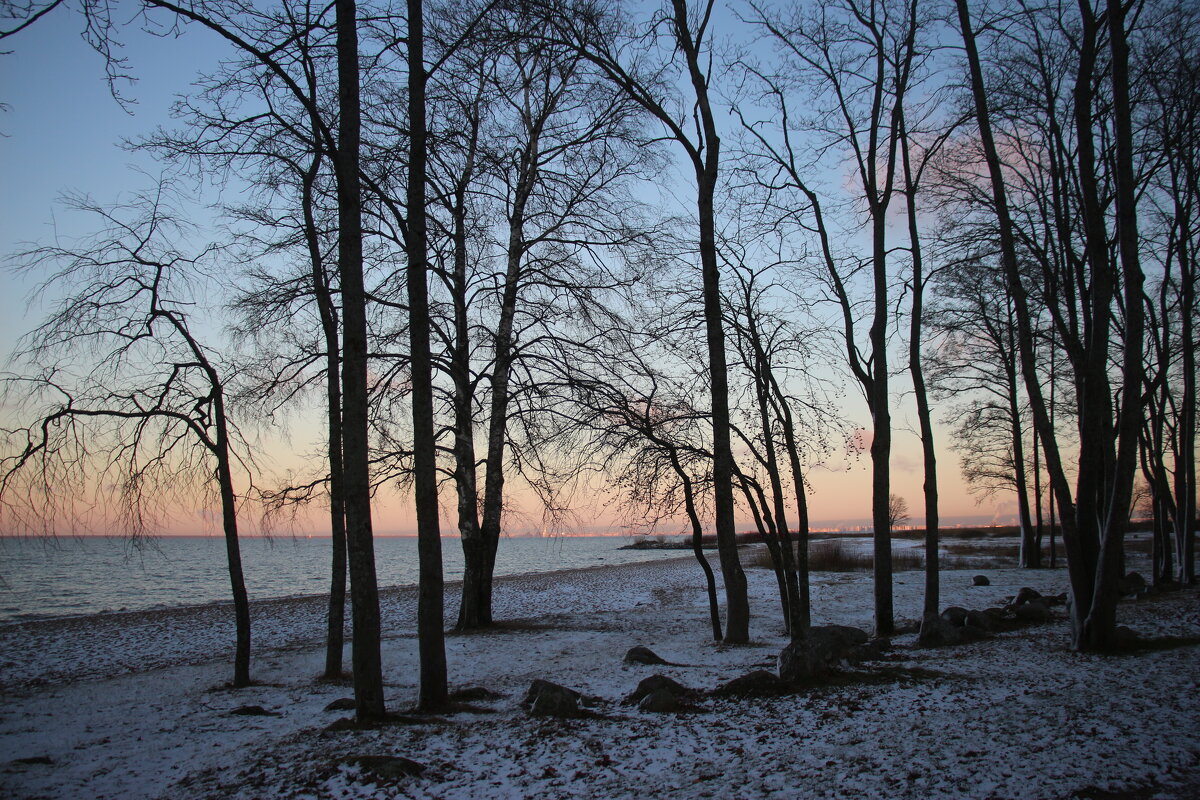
(710, 581)
(470, 614)
(237, 581)
(1029, 554)
(915, 368)
(763, 379)
(1058, 480)
(477, 580)
(1185, 450)
(336, 615)
(881, 443)
(737, 613)
(764, 522)
(1092, 384)
(803, 602)
(364, 591)
(430, 596)
(1038, 522)
(1101, 624)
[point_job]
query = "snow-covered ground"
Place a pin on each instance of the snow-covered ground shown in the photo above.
(132, 705)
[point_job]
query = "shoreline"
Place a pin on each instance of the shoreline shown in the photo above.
(159, 723)
(448, 584)
(279, 623)
(78, 577)
(122, 707)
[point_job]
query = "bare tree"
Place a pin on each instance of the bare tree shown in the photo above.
(546, 166)
(857, 60)
(974, 365)
(242, 120)
(433, 692)
(680, 33)
(126, 395)
(1095, 517)
(897, 510)
(637, 415)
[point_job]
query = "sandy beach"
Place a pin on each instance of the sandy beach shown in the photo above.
(132, 705)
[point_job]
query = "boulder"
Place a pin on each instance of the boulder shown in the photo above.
(823, 648)
(387, 767)
(938, 632)
(1033, 612)
(661, 701)
(1131, 585)
(759, 683)
(982, 620)
(658, 683)
(1024, 595)
(472, 694)
(955, 615)
(872, 650)
(1124, 638)
(980, 580)
(31, 760)
(253, 711)
(644, 655)
(1002, 619)
(546, 699)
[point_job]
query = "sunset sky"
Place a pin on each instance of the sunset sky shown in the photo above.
(62, 130)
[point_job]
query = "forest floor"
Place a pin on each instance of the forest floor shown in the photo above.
(133, 705)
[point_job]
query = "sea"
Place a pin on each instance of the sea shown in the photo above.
(69, 576)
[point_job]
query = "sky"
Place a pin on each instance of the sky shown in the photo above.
(62, 132)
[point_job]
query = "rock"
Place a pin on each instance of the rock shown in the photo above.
(661, 701)
(1024, 596)
(1033, 612)
(955, 615)
(252, 711)
(1002, 619)
(759, 683)
(980, 580)
(548, 704)
(658, 683)
(1124, 638)
(871, 650)
(470, 694)
(850, 636)
(644, 655)
(546, 699)
(43, 760)
(1131, 584)
(387, 767)
(982, 620)
(538, 686)
(341, 704)
(939, 632)
(822, 648)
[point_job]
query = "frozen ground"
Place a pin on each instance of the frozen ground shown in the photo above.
(131, 705)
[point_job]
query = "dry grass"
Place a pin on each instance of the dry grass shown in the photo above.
(826, 555)
(835, 556)
(981, 549)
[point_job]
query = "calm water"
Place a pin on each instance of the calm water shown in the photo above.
(41, 578)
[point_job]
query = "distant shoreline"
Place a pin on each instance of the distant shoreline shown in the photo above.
(709, 541)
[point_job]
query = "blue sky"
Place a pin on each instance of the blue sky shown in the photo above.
(63, 131)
